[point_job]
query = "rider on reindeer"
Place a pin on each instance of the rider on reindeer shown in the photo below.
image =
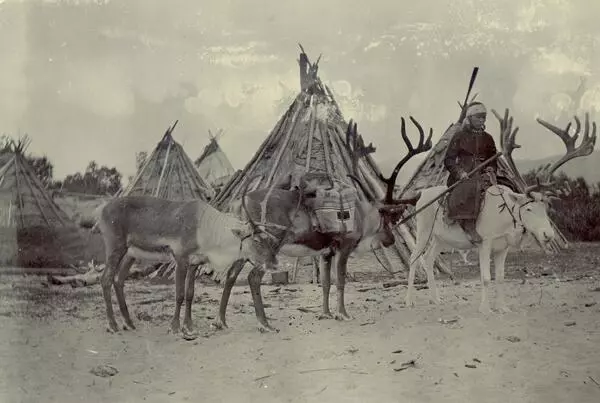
(470, 146)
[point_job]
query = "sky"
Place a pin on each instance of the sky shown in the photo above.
(103, 79)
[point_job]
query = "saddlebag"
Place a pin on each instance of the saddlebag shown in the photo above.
(335, 209)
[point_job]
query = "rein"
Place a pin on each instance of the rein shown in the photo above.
(504, 206)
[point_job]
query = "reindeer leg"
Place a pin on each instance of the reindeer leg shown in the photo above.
(341, 284)
(295, 270)
(316, 269)
(232, 275)
(409, 299)
(499, 260)
(190, 282)
(429, 262)
(112, 263)
(254, 279)
(326, 285)
(180, 274)
(119, 284)
(484, 267)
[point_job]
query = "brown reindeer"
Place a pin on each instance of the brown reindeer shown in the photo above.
(190, 232)
(285, 225)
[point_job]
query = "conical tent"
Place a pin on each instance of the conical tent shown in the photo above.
(34, 230)
(170, 174)
(310, 137)
(213, 165)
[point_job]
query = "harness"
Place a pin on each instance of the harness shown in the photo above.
(381, 225)
(511, 211)
(504, 206)
(265, 225)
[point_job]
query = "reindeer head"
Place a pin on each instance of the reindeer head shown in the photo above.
(387, 210)
(274, 226)
(391, 210)
(530, 210)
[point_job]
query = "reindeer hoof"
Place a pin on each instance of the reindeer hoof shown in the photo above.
(219, 325)
(485, 310)
(503, 309)
(409, 303)
(188, 329)
(112, 328)
(325, 315)
(188, 334)
(175, 328)
(435, 301)
(343, 316)
(128, 326)
(268, 329)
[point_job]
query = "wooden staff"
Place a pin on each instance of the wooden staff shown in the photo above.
(463, 112)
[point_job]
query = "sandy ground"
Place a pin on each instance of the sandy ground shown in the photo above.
(546, 350)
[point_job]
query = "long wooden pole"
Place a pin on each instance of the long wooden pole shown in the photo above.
(463, 111)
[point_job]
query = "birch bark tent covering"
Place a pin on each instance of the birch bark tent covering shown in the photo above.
(213, 165)
(310, 137)
(169, 173)
(34, 230)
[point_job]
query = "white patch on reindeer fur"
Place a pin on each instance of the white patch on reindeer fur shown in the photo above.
(366, 245)
(222, 258)
(142, 254)
(294, 250)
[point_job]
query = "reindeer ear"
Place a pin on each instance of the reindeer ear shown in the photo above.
(237, 232)
(517, 198)
(538, 196)
(241, 232)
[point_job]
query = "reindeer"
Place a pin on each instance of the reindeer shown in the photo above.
(506, 217)
(191, 232)
(288, 223)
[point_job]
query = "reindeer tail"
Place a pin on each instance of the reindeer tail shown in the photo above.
(91, 222)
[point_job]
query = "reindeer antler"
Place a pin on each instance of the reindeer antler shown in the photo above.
(508, 144)
(356, 145)
(584, 149)
(412, 151)
(357, 149)
(539, 186)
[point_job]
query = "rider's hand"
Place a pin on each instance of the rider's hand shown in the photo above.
(463, 175)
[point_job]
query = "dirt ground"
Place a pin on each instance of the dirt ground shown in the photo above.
(547, 350)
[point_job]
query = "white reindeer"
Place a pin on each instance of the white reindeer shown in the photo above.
(503, 221)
